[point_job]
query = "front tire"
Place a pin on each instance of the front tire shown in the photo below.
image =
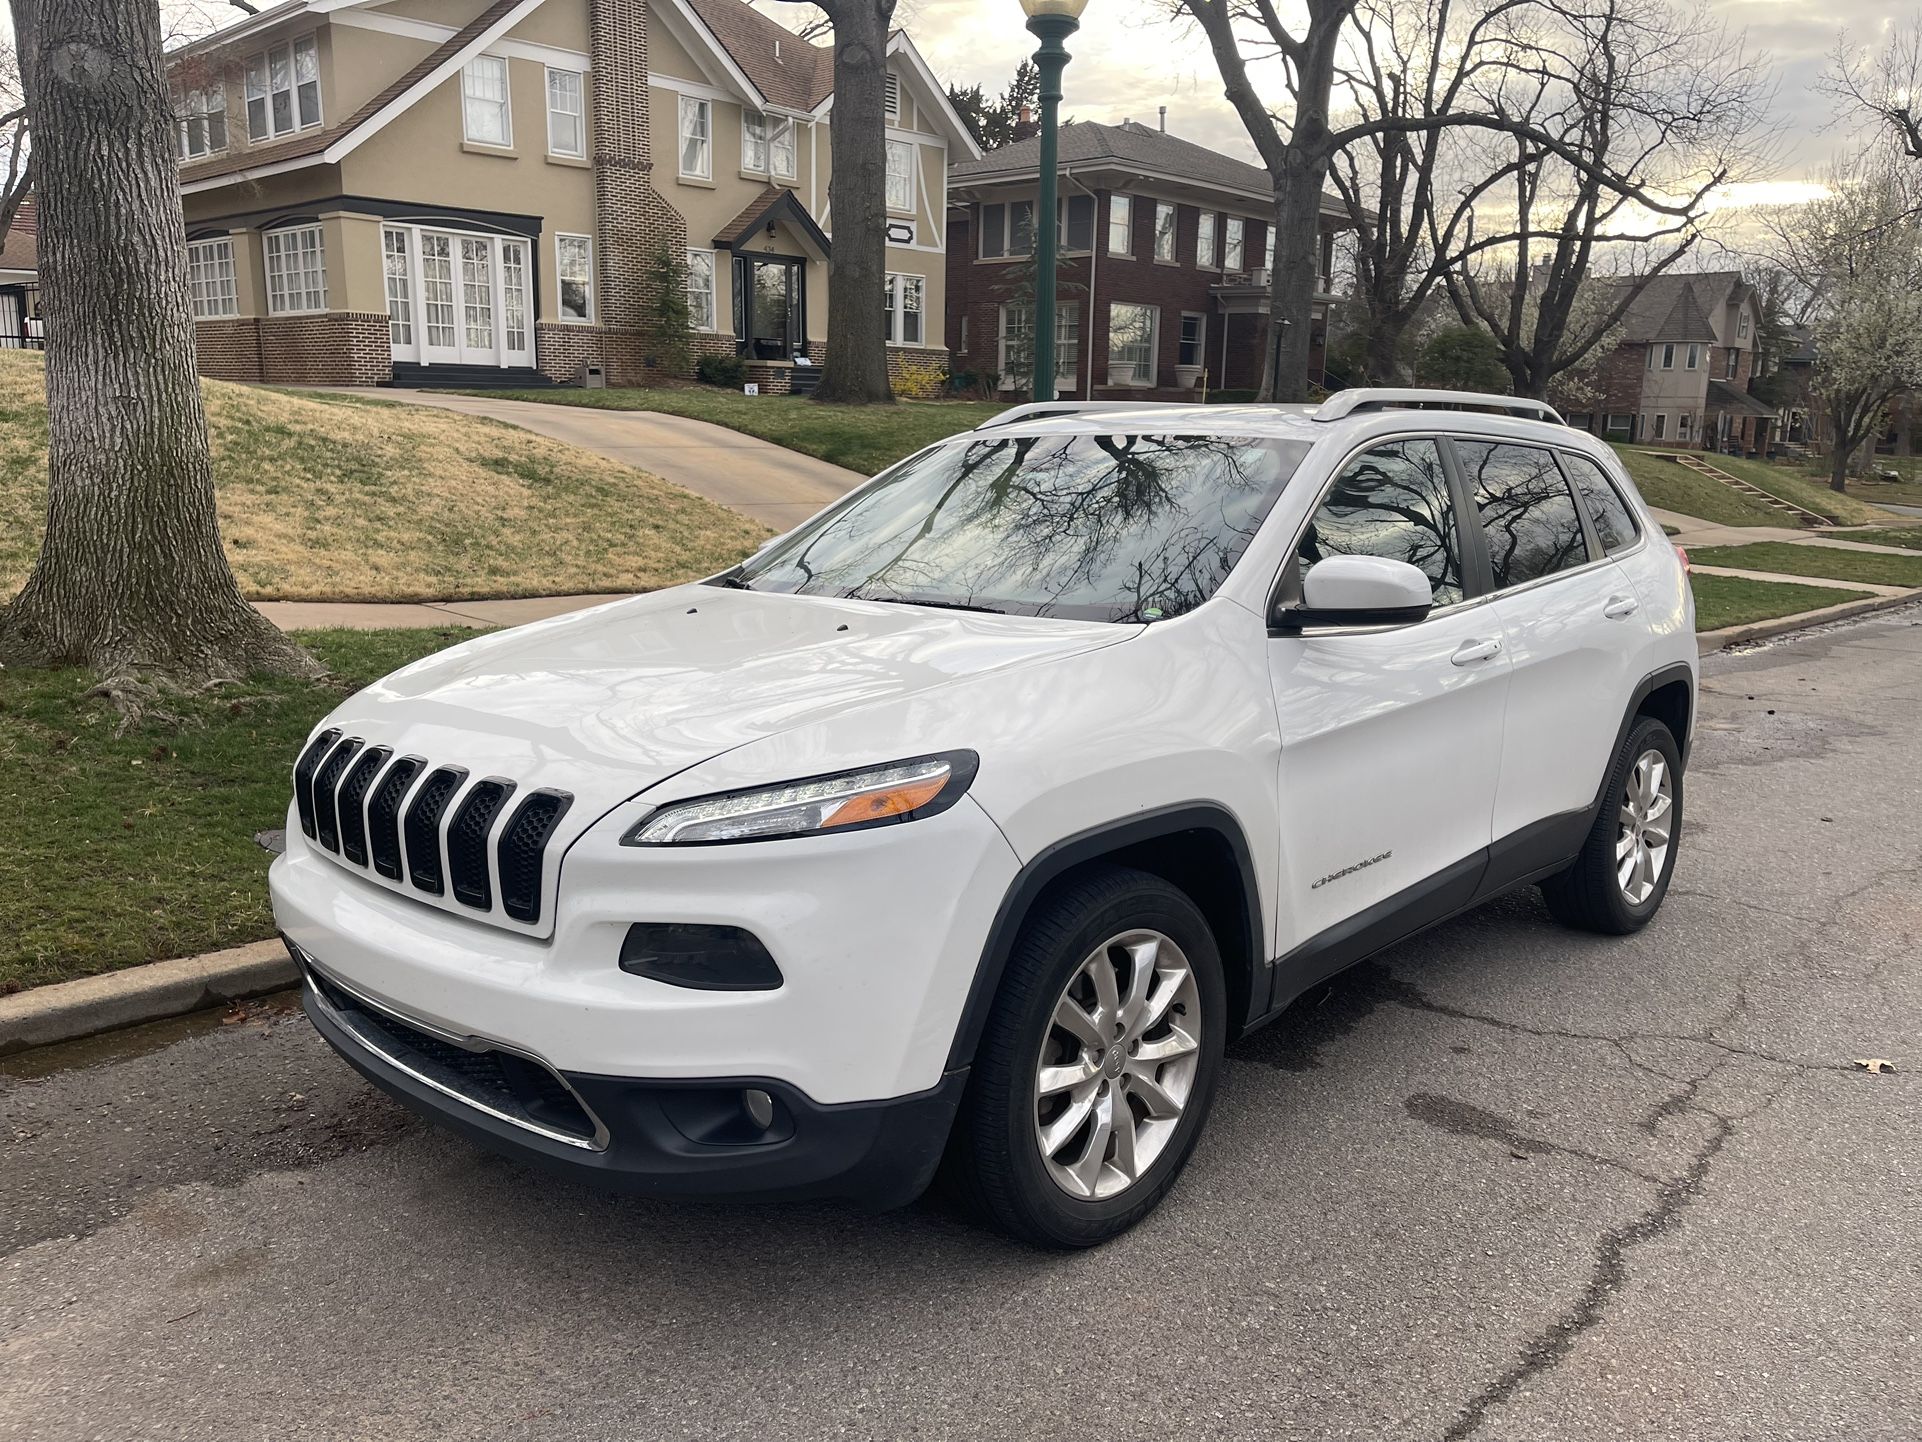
(1617, 883)
(1097, 1065)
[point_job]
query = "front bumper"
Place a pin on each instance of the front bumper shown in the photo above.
(664, 1138)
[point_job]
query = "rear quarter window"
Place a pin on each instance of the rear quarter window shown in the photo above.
(1614, 518)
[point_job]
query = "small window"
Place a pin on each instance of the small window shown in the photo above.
(754, 142)
(566, 116)
(697, 158)
(1079, 232)
(1661, 426)
(1734, 362)
(296, 270)
(1194, 334)
(1527, 511)
(1235, 254)
(1668, 356)
(994, 231)
(1133, 333)
(903, 309)
(574, 266)
(901, 174)
(1684, 425)
(700, 289)
(483, 91)
(283, 89)
(1694, 357)
(210, 278)
(202, 123)
(1614, 521)
(1741, 324)
(1120, 225)
(1164, 231)
(1391, 501)
(780, 149)
(1205, 240)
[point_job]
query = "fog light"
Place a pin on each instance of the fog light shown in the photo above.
(704, 958)
(760, 1107)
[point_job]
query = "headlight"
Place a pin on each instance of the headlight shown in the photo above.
(850, 801)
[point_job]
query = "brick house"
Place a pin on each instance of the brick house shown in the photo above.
(1165, 251)
(20, 281)
(469, 191)
(1680, 374)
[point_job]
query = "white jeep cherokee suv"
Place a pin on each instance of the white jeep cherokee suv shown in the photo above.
(975, 816)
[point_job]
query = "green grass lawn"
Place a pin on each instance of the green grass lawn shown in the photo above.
(867, 439)
(329, 498)
(1676, 488)
(1907, 537)
(1800, 488)
(1788, 559)
(122, 849)
(1735, 601)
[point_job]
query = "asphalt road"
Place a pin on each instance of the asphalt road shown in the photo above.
(1504, 1182)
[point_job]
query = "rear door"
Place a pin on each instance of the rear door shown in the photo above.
(1564, 608)
(1390, 738)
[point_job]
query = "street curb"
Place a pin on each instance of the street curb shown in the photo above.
(1713, 641)
(69, 1010)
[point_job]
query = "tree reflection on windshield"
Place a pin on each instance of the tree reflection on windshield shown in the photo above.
(1105, 527)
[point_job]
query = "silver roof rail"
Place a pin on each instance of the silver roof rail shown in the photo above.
(1381, 398)
(1041, 410)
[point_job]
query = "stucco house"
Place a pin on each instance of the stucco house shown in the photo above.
(1680, 374)
(483, 191)
(1165, 251)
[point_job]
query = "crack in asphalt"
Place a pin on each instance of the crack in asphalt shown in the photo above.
(1463, 1119)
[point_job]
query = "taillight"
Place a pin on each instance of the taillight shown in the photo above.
(1682, 552)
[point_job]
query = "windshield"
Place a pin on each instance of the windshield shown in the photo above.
(1108, 528)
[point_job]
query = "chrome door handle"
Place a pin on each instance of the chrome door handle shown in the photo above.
(1471, 651)
(1619, 606)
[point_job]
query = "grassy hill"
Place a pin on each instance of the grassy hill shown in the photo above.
(346, 499)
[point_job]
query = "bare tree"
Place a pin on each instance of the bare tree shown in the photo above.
(1299, 147)
(130, 580)
(1884, 86)
(16, 159)
(856, 370)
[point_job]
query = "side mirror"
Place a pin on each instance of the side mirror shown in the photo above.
(1359, 591)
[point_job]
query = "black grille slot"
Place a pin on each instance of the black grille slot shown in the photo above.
(467, 842)
(353, 792)
(304, 777)
(326, 818)
(521, 847)
(423, 828)
(383, 816)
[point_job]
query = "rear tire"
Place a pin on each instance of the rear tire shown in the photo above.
(1618, 881)
(1087, 1094)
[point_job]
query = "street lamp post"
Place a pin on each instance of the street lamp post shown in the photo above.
(1052, 22)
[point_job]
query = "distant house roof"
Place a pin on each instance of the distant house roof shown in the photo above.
(1725, 397)
(788, 71)
(20, 251)
(1675, 307)
(1130, 145)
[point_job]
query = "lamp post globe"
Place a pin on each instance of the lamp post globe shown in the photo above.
(1052, 22)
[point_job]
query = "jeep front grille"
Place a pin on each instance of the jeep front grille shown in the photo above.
(426, 829)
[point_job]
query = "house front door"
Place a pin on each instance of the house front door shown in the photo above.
(770, 307)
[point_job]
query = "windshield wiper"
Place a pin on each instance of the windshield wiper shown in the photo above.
(732, 580)
(938, 605)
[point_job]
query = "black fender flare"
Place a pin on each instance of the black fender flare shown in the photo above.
(1063, 856)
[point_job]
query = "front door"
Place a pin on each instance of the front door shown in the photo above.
(1391, 740)
(770, 307)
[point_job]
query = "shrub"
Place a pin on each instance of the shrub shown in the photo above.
(1463, 358)
(721, 370)
(921, 380)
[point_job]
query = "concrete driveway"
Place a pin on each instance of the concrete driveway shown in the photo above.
(1504, 1181)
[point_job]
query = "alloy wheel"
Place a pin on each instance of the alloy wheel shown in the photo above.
(1117, 1065)
(1644, 826)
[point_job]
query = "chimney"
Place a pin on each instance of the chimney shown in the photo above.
(1026, 116)
(1164, 120)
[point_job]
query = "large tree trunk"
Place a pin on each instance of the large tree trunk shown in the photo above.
(1839, 470)
(130, 578)
(1291, 296)
(857, 362)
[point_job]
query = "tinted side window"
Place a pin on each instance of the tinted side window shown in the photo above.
(1391, 501)
(1614, 522)
(1527, 511)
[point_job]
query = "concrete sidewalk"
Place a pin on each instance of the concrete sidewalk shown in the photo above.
(386, 615)
(776, 486)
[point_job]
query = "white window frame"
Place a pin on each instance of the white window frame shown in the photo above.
(1661, 426)
(1153, 342)
(1234, 245)
(1121, 217)
(703, 293)
(1741, 324)
(902, 202)
(1683, 426)
(204, 106)
(1694, 356)
(261, 64)
(560, 274)
(760, 152)
(1268, 250)
(505, 102)
(1205, 240)
(277, 246)
(1668, 355)
(701, 110)
(897, 286)
(1067, 340)
(578, 114)
(1171, 232)
(211, 281)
